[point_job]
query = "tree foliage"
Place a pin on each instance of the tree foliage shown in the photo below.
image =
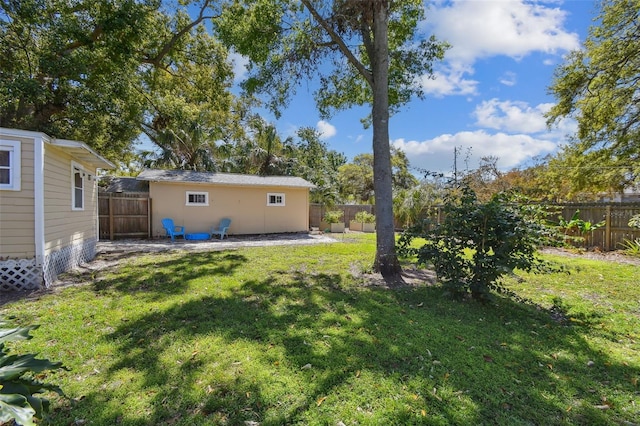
(103, 71)
(599, 86)
(356, 177)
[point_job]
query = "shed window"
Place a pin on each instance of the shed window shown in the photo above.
(78, 188)
(10, 165)
(197, 198)
(274, 199)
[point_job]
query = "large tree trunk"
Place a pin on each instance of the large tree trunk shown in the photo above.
(386, 258)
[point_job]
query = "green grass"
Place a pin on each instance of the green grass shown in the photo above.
(287, 335)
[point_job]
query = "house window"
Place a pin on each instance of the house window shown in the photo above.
(10, 165)
(197, 198)
(77, 202)
(275, 199)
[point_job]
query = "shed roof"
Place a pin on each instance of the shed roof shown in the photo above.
(124, 184)
(188, 176)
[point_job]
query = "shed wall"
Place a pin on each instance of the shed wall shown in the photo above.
(246, 206)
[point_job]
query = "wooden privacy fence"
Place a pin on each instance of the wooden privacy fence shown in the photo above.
(609, 237)
(124, 215)
(317, 211)
(615, 216)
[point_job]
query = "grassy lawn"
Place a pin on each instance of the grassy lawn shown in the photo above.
(287, 335)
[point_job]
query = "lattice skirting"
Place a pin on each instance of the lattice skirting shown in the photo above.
(20, 274)
(69, 257)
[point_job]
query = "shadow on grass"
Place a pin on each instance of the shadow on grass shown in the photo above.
(506, 363)
(150, 280)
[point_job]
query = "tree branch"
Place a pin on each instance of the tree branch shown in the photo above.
(341, 44)
(95, 35)
(177, 36)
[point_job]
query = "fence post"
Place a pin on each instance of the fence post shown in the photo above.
(149, 217)
(607, 229)
(111, 231)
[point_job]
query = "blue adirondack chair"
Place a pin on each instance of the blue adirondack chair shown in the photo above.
(173, 231)
(222, 228)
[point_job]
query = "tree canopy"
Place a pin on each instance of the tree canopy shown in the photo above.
(599, 86)
(103, 71)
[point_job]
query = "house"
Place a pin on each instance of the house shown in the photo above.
(48, 207)
(255, 204)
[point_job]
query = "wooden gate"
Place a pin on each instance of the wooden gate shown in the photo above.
(124, 215)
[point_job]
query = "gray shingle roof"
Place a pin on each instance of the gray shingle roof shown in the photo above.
(187, 176)
(125, 184)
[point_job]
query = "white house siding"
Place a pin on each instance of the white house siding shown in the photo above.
(70, 235)
(246, 206)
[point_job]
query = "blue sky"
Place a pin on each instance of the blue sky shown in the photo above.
(489, 94)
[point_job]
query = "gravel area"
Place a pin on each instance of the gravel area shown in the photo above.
(231, 242)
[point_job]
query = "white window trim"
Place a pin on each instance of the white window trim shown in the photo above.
(277, 194)
(75, 166)
(206, 199)
(14, 165)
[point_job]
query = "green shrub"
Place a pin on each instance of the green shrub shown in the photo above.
(333, 216)
(365, 217)
(631, 247)
(478, 243)
(18, 388)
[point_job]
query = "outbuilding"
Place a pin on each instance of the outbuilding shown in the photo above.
(48, 207)
(255, 204)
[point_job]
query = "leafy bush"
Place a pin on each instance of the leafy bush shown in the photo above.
(576, 225)
(634, 222)
(333, 216)
(17, 386)
(478, 243)
(365, 217)
(631, 247)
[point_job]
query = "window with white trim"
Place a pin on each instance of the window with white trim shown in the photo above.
(77, 187)
(10, 165)
(275, 199)
(197, 198)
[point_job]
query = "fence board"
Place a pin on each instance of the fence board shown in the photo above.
(615, 216)
(124, 215)
(317, 211)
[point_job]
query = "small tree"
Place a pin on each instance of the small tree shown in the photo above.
(479, 242)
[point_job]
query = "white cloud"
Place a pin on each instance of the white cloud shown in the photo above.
(326, 129)
(508, 79)
(511, 116)
(437, 154)
(484, 29)
(515, 28)
(449, 81)
(520, 117)
(239, 66)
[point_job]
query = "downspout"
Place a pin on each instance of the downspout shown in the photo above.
(38, 197)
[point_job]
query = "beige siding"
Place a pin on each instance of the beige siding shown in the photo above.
(17, 209)
(245, 206)
(63, 225)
